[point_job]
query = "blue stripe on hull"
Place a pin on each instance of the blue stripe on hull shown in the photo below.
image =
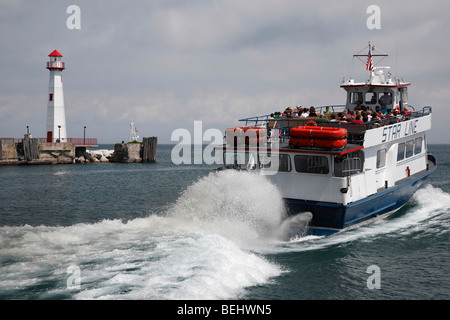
(329, 218)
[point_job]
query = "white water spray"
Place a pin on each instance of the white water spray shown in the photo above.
(243, 206)
(199, 249)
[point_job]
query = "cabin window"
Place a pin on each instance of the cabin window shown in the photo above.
(356, 97)
(403, 97)
(371, 98)
(239, 160)
(231, 160)
(401, 151)
(386, 98)
(409, 148)
(284, 162)
(418, 145)
(311, 164)
(381, 158)
(50, 97)
(348, 164)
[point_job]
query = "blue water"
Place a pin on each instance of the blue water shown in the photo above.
(165, 231)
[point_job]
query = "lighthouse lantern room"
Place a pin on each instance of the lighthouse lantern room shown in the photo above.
(56, 117)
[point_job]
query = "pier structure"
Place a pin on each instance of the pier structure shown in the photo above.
(36, 151)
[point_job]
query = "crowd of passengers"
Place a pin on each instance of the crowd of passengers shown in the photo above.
(360, 115)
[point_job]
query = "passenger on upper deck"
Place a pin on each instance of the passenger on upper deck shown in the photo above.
(275, 115)
(405, 110)
(288, 112)
(357, 119)
(333, 118)
(327, 110)
(305, 113)
(323, 118)
(383, 109)
(351, 114)
(312, 112)
(367, 115)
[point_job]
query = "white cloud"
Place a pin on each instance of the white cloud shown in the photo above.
(168, 63)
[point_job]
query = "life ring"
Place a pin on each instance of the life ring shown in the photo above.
(311, 124)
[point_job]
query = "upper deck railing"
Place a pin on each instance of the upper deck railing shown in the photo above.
(355, 131)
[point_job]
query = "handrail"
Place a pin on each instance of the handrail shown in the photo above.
(355, 136)
(77, 141)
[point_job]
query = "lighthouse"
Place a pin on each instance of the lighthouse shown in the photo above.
(56, 115)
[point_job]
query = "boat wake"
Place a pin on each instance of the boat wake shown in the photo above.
(203, 247)
(426, 214)
(211, 244)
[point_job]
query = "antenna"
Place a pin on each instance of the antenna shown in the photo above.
(396, 58)
(343, 64)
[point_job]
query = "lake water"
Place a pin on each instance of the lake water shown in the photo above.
(165, 231)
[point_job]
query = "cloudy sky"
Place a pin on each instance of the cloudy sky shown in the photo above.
(167, 63)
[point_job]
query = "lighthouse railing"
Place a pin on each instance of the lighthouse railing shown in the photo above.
(56, 65)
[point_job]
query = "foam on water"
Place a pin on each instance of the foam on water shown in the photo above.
(242, 206)
(429, 213)
(199, 249)
(208, 245)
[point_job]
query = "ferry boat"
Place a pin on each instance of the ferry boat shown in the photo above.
(343, 173)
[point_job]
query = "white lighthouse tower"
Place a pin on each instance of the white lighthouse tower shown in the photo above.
(56, 115)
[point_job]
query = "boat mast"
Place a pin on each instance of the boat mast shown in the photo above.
(370, 56)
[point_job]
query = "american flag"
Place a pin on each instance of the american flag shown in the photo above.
(369, 64)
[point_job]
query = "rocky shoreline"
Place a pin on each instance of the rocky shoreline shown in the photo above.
(94, 156)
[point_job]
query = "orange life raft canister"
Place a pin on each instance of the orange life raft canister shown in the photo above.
(318, 137)
(247, 135)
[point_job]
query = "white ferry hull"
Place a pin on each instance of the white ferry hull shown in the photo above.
(329, 218)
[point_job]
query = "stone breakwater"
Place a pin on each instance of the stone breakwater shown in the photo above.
(31, 151)
(94, 156)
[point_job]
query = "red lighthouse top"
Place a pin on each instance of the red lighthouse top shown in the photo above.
(55, 62)
(55, 53)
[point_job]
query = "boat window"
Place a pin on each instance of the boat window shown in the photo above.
(284, 164)
(239, 160)
(386, 98)
(381, 158)
(251, 164)
(348, 164)
(356, 97)
(418, 145)
(403, 97)
(311, 164)
(401, 151)
(409, 148)
(264, 161)
(371, 98)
